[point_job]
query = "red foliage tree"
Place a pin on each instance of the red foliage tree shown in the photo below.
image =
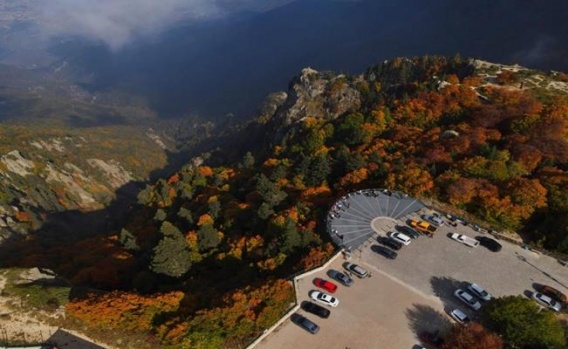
(472, 336)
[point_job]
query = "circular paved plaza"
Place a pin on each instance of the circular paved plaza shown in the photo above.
(352, 219)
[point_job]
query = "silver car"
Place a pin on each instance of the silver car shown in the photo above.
(479, 292)
(546, 301)
(437, 221)
(356, 269)
(467, 299)
(459, 316)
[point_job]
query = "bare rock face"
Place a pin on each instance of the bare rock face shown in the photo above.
(49, 173)
(319, 95)
(116, 175)
(16, 163)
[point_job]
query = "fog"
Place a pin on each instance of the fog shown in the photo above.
(118, 22)
(220, 57)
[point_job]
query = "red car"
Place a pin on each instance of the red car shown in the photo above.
(326, 285)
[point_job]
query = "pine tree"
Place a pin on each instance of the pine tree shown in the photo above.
(172, 255)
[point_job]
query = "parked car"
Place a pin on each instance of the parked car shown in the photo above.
(324, 298)
(459, 316)
(385, 251)
(468, 299)
(464, 239)
(436, 220)
(489, 243)
(326, 285)
(304, 323)
(423, 226)
(408, 231)
(315, 309)
(395, 245)
(546, 301)
(339, 276)
(553, 293)
(479, 291)
(400, 237)
(431, 338)
(356, 269)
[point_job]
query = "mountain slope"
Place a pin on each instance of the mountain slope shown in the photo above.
(212, 244)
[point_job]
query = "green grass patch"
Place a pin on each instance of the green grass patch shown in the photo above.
(41, 294)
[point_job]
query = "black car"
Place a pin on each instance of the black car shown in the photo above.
(408, 231)
(339, 276)
(395, 245)
(552, 293)
(489, 243)
(316, 309)
(385, 251)
(304, 323)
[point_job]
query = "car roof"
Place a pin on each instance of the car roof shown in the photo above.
(356, 267)
(401, 236)
(544, 297)
(477, 288)
(459, 313)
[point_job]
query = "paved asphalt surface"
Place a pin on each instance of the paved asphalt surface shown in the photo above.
(411, 293)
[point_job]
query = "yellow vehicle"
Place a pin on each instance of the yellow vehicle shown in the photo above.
(422, 226)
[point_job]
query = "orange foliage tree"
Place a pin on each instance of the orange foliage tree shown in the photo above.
(122, 310)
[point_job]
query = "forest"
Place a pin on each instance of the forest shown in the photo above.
(206, 255)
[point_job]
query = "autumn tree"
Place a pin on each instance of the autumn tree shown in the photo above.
(171, 256)
(472, 336)
(506, 77)
(527, 195)
(122, 310)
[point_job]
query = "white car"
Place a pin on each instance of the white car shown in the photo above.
(464, 239)
(467, 299)
(459, 316)
(479, 291)
(324, 298)
(546, 301)
(400, 237)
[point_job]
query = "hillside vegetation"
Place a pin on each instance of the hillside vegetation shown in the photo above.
(203, 259)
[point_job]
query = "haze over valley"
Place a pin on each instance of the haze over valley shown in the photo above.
(216, 58)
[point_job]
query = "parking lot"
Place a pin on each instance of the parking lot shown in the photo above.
(410, 294)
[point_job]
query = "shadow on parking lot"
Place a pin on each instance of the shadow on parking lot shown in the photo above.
(545, 273)
(444, 288)
(528, 293)
(425, 318)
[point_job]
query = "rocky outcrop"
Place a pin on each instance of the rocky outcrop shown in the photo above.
(115, 174)
(16, 163)
(317, 94)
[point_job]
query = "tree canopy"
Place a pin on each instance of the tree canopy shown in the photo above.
(522, 323)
